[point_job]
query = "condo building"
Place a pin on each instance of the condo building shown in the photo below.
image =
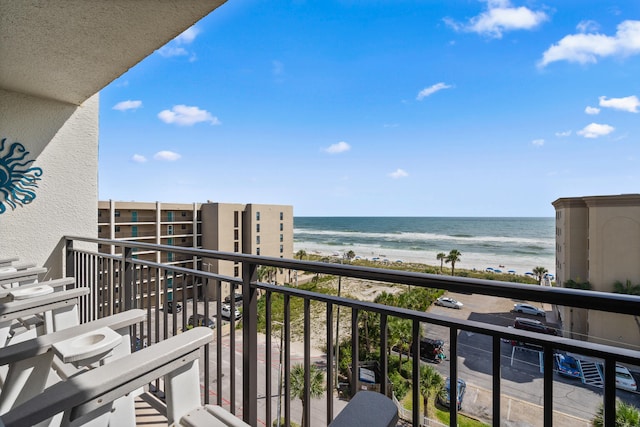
(256, 229)
(598, 241)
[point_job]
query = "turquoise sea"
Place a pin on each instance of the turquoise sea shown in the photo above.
(518, 244)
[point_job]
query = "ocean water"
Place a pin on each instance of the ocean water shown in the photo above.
(518, 244)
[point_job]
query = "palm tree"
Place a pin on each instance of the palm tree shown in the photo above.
(301, 254)
(431, 384)
(626, 415)
(400, 335)
(539, 272)
(298, 387)
(453, 257)
(441, 257)
(350, 255)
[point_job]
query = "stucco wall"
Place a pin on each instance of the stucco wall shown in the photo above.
(63, 140)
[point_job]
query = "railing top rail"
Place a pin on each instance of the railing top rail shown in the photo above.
(615, 303)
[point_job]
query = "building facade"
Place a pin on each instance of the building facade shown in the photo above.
(598, 241)
(256, 229)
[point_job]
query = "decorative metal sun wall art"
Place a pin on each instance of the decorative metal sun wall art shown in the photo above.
(18, 181)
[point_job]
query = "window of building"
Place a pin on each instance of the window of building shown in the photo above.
(236, 247)
(116, 214)
(183, 213)
(257, 240)
(235, 218)
(235, 234)
(169, 216)
(257, 251)
(281, 227)
(99, 229)
(134, 231)
(236, 271)
(257, 216)
(257, 228)
(169, 229)
(184, 240)
(134, 216)
(169, 256)
(117, 228)
(281, 238)
(281, 248)
(184, 226)
(169, 241)
(281, 216)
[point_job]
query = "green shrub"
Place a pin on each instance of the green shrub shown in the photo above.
(400, 384)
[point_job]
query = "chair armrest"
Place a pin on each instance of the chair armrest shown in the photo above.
(89, 391)
(15, 309)
(42, 344)
(18, 276)
(55, 283)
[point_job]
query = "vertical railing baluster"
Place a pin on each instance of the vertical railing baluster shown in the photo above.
(355, 352)
(453, 376)
(609, 392)
(548, 385)
(287, 359)
(497, 374)
(415, 337)
(307, 362)
(249, 342)
(207, 348)
(218, 292)
(384, 330)
(330, 361)
(267, 354)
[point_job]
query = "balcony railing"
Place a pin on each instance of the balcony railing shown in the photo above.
(245, 384)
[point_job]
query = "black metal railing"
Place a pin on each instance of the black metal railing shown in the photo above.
(120, 282)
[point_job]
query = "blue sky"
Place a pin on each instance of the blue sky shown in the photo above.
(383, 108)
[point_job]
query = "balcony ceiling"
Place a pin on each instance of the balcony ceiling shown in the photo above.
(67, 50)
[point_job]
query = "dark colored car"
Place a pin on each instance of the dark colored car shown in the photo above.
(445, 399)
(170, 307)
(199, 320)
(432, 349)
(532, 326)
(236, 297)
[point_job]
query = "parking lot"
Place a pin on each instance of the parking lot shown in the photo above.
(575, 403)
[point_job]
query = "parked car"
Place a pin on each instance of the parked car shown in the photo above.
(199, 320)
(532, 325)
(567, 366)
(529, 309)
(445, 399)
(236, 297)
(624, 379)
(170, 307)
(448, 302)
(432, 349)
(226, 312)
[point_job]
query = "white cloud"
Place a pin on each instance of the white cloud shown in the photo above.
(138, 158)
(187, 36)
(169, 51)
(174, 47)
(127, 105)
(592, 110)
(563, 133)
(185, 115)
(340, 147)
(398, 173)
(595, 130)
(168, 156)
(585, 48)
(538, 142)
(587, 26)
(427, 91)
(629, 103)
(501, 17)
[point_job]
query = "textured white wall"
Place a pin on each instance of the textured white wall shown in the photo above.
(63, 140)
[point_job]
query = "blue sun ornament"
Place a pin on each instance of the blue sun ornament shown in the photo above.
(18, 181)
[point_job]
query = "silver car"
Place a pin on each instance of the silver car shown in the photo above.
(448, 302)
(529, 309)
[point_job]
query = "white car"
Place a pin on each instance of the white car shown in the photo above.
(226, 312)
(624, 379)
(529, 309)
(449, 302)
